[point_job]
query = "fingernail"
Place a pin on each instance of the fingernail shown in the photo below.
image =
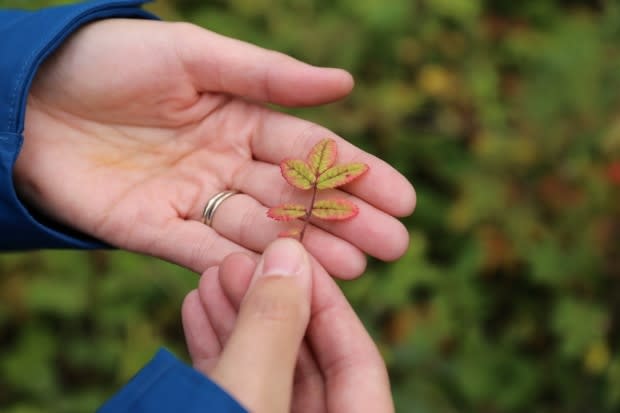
(284, 257)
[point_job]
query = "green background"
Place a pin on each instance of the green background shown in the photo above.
(506, 117)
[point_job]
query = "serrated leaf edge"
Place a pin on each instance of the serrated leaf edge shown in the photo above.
(347, 180)
(282, 217)
(354, 210)
(283, 169)
(324, 143)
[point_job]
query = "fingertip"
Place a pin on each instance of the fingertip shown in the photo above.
(343, 82)
(285, 257)
(399, 244)
(348, 82)
(311, 86)
(202, 343)
(205, 279)
(408, 201)
(329, 250)
(346, 269)
(235, 275)
(192, 317)
(237, 262)
(191, 302)
(191, 309)
(356, 270)
(343, 79)
(396, 194)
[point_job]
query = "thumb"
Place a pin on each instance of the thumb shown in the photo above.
(258, 362)
(216, 63)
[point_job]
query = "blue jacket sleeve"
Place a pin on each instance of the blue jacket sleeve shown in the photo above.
(166, 385)
(26, 39)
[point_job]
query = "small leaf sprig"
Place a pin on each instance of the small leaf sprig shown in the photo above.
(316, 173)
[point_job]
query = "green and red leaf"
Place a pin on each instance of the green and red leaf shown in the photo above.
(322, 156)
(317, 172)
(286, 212)
(298, 173)
(334, 209)
(341, 174)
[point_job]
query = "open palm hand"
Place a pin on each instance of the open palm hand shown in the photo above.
(133, 125)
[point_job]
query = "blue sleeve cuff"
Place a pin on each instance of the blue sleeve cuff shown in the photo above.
(167, 385)
(27, 39)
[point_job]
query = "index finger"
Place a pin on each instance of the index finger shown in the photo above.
(281, 136)
(355, 373)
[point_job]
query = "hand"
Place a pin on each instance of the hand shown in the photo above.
(247, 331)
(134, 124)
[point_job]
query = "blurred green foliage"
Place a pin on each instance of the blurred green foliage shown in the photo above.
(506, 117)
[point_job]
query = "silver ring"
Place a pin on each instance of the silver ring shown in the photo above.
(209, 212)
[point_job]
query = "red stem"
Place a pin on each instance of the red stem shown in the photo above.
(308, 214)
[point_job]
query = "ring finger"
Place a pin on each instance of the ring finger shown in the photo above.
(243, 220)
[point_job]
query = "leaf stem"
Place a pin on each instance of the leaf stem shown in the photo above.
(308, 214)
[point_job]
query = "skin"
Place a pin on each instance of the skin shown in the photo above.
(133, 125)
(279, 336)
